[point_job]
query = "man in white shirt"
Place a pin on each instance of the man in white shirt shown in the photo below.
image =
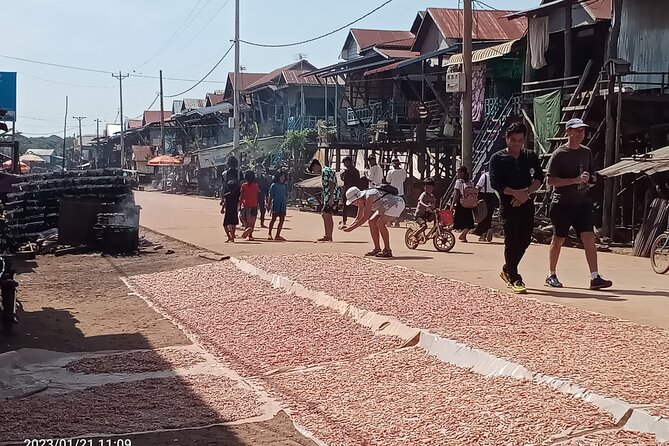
(396, 177)
(487, 193)
(374, 173)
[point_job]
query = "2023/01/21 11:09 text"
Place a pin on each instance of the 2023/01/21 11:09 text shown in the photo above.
(77, 442)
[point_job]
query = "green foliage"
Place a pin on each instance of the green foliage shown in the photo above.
(41, 142)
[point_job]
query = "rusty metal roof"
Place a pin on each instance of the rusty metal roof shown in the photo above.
(487, 24)
(153, 116)
(273, 77)
(652, 162)
(135, 123)
(214, 99)
(599, 9)
(367, 38)
(246, 79)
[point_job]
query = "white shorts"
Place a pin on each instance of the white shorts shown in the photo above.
(394, 211)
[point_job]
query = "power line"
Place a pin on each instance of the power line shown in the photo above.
(205, 76)
(199, 31)
(174, 34)
(284, 45)
(91, 70)
(94, 70)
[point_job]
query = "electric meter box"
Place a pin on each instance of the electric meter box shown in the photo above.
(455, 82)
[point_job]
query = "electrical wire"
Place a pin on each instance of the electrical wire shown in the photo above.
(284, 45)
(90, 70)
(205, 76)
(174, 34)
(199, 31)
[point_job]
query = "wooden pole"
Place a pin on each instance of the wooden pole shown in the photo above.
(609, 152)
(567, 38)
(467, 125)
(162, 116)
(616, 158)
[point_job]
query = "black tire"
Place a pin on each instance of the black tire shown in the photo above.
(444, 241)
(659, 254)
(410, 239)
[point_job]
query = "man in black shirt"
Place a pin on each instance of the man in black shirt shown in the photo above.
(571, 171)
(515, 173)
(350, 177)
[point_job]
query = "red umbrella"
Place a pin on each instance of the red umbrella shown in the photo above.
(24, 167)
(165, 160)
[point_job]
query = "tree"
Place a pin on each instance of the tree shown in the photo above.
(295, 148)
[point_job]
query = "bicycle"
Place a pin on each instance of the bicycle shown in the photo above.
(659, 253)
(440, 233)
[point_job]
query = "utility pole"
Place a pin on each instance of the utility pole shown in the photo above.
(467, 128)
(235, 133)
(65, 132)
(162, 115)
(97, 141)
(120, 78)
(81, 139)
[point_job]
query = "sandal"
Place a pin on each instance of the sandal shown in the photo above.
(278, 238)
(385, 253)
(324, 239)
(374, 252)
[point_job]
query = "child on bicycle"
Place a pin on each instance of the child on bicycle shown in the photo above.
(425, 207)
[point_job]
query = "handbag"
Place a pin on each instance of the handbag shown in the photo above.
(480, 211)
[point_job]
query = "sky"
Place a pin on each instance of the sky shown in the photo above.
(184, 39)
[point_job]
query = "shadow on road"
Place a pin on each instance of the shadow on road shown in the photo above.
(578, 294)
(406, 258)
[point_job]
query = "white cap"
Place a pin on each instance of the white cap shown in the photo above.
(576, 123)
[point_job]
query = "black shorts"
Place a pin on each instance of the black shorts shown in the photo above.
(424, 217)
(571, 215)
(327, 209)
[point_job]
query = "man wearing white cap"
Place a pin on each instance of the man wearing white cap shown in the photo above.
(379, 208)
(571, 171)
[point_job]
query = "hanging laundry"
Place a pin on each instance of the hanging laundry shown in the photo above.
(539, 37)
(478, 91)
(547, 111)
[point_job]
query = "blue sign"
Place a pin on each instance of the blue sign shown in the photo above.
(8, 95)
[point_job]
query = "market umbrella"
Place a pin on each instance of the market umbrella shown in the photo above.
(30, 158)
(164, 160)
(24, 167)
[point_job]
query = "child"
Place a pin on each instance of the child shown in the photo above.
(277, 202)
(248, 203)
(425, 207)
(229, 205)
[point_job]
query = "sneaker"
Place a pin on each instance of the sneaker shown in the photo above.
(518, 287)
(373, 253)
(598, 283)
(385, 253)
(505, 277)
(553, 282)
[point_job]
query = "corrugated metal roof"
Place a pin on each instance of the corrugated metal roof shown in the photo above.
(485, 53)
(151, 116)
(214, 99)
(190, 104)
(398, 54)
(41, 152)
(273, 77)
(597, 9)
(295, 77)
(650, 163)
(367, 38)
(135, 123)
(246, 79)
(488, 25)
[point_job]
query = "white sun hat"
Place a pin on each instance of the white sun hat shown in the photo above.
(352, 194)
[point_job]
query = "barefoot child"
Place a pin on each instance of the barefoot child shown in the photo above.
(277, 202)
(248, 202)
(229, 204)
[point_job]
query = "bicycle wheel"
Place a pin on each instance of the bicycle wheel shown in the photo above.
(444, 241)
(659, 254)
(410, 239)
